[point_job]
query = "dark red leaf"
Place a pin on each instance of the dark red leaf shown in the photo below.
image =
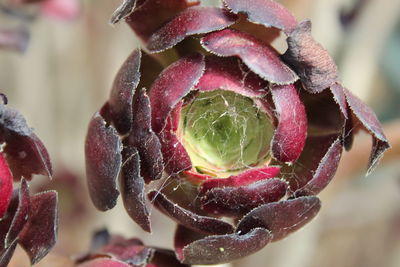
(325, 171)
(125, 83)
(195, 20)
(242, 179)
(340, 98)
(6, 185)
(236, 201)
(132, 189)
(265, 12)
(40, 232)
(21, 215)
(366, 116)
(103, 162)
(281, 218)
(25, 153)
(290, 135)
(259, 57)
(230, 74)
(173, 84)
(165, 258)
(144, 139)
(124, 10)
(309, 59)
(152, 14)
(219, 248)
(198, 223)
(6, 254)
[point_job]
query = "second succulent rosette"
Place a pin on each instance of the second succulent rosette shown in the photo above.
(231, 139)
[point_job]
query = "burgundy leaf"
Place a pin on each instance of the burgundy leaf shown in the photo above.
(124, 86)
(165, 258)
(132, 189)
(152, 14)
(340, 98)
(219, 248)
(242, 179)
(145, 140)
(198, 223)
(40, 233)
(230, 74)
(195, 20)
(290, 135)
(103, 162)
(265, 12)
(16, 39)
(6, 254)
(124, 10)
(21, 215)
(104, 262)
(6, 185)
(366, 116)
(236, 201)
(173, 84)
(25, 153)
(176, 159)
(230, 42)
(302, 171)
(281, 218)
(309, 59)
(325, 171)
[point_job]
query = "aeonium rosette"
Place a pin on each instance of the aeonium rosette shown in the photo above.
(232, 139)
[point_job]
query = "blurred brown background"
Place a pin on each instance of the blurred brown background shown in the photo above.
(65, 76)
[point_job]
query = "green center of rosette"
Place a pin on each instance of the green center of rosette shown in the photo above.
(225, 133)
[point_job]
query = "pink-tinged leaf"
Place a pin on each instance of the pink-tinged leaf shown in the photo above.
(231, 75)
(40, 232)
(61, 9)
(198, 223)
(16, 39)
(290, 135)
(281, 218)
(242, 179)
(218, 249)
(147, 18)
(104, 262)
(310, 60)
(125, 83)
(6, 254)
(195, 20)
(21, 215)
(131, 251)
(144, 139)
(25, 153)
(325, 171)
(103, 162)
(340, 98)
(259, 57)
(124, 10)
(6, 185)
(237, 201)
(173, 84)
(265, 12)
(366, 116)
(132, 189)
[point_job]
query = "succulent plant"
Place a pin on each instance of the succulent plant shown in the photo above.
(232, 140)
(27, 220)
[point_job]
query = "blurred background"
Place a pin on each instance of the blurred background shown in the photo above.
(65, 75)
